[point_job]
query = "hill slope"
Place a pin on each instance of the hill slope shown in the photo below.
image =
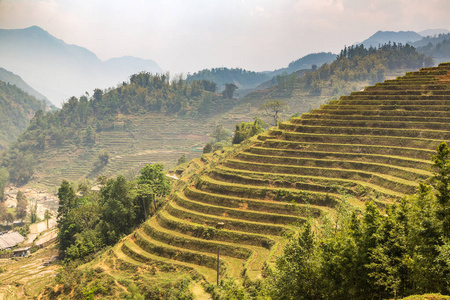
(11, 78)
(16, 109)
(373, 144)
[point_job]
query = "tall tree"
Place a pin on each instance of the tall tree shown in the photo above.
(22, 204)
(4, 178)
(154, 176)
(229, 90)
(67, 199)
(273, 109)
(441, 182)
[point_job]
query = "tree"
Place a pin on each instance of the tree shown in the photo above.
(273, 109)
(220, 134)
(119, 210)
(229, 90)
(441, 182)
(296, 276)
(22, 204)
(47, 216)
(4, 178)
(33, 214)
(104, 158)
(208, 148)
(9, 218)
(154, 176)
(67, 200)
(182, 160)
(3, 212)
(245, 130)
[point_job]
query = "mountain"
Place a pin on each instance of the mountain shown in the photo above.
(433, 32)
(307, 62)
(384, 37)
(10, 77)
(59, 70)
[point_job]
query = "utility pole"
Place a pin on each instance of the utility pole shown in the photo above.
(218, 260)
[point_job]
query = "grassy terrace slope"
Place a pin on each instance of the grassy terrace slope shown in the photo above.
(374, 144)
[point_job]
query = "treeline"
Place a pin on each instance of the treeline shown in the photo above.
(80, 119)
(439, 50)
(16, 109)
(222, 76)
(89, 223)
(357, 63)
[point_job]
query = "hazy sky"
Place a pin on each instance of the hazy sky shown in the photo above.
(189, 35)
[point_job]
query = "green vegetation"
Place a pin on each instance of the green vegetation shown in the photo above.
(89, 223)
(372, 254)
(367, 149)
(223, 76)
(246, 130)
(357, 63)
(83, 121)
(16, 109)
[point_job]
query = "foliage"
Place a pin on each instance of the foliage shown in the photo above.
(356, 63)
(3, 212)
(89, 223)
(182, 160)
(15, 108)
(229, 90)
(4, 179)
(33, 214)
(22, 204)
(246, 130)
(273, 109)
(373, 255)
(220, 134)
(221, 76)
(437, 47)
(208, 148)
(80, 120)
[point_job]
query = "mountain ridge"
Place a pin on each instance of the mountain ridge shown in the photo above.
(60, 70)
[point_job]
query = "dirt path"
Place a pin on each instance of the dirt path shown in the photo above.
(199, 292)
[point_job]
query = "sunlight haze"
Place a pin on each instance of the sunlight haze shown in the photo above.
(186, 36)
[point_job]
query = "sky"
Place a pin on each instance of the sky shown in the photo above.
(185, 36)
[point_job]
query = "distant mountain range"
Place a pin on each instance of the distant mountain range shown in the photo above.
(410, 37)
(58, 70)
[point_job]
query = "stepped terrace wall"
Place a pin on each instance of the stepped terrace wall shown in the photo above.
(371, 145)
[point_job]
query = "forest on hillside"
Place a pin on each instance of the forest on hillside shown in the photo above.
(80, 119)
(353, 64)
(16, 109)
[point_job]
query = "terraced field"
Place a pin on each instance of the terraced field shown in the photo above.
(153, 138)
(373, 144)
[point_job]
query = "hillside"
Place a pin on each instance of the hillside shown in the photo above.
(374, 144)
(16, 110)
(353, 69)
(146, 120)
(59, 70)
(11, 78)
(248, 81)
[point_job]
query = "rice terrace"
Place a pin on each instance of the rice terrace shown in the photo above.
(224, 150)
